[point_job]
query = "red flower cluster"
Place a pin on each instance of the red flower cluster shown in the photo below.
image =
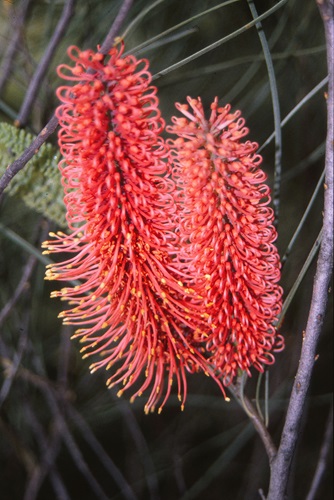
(226, 237)
(177, 266)
(132, 306)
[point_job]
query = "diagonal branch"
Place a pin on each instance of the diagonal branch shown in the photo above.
(281, 464)
(237, 391)
(51, 126)
(20, 162)
(117, 24)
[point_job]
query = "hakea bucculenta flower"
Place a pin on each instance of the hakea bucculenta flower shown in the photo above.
(131, 306)
(226, 237)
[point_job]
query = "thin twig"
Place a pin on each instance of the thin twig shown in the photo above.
(300, 277)
(49, 451)
(64, 357)
(142, 447)
(13, 368)
(305, 163)
(281, 464)
(139, 48)
(50, 392)
(171, 39)
(186, 76)
(295, 110)
(219, 42)
(65, 432)
(237, 390)
(200, 487)
(257, 395)
(44, 63)
(276, 112)
(20, 162)
(97, 448)
(116, 26)
(303, 219)
(21, 287)
(18, 444)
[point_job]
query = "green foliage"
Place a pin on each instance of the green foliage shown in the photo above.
(39, 184)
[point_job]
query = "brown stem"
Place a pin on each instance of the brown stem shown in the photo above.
(114, 30)
(280, 466)
(255, 418)
(31, 150)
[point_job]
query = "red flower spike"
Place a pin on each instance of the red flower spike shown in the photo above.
(226, 237)
(131, 306)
